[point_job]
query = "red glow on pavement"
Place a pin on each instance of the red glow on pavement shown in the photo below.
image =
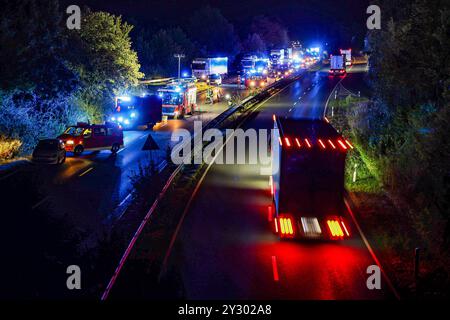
(275, 269)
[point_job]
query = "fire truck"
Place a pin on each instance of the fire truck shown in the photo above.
(178, 99)
(307, 182)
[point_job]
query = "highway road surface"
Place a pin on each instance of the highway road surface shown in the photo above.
(226, 249)
(53, 215)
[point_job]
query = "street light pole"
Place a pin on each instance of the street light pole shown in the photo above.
(179, 56)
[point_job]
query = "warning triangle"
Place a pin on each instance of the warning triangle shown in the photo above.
(150, 144)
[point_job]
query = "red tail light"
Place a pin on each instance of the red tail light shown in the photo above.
(281, 142)
(285, 226)
(298, 142)
(288, 143)
(345, 228)
(322, 144)
(307, 143)
(349, 144)
(331, 144)
(342, 145)
(335, 229)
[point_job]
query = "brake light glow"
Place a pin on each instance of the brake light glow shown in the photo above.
(276, 225)
(331, 144)
(342, 145)
(307, 143)
(322, 144)
(298, 142)
(335, 228)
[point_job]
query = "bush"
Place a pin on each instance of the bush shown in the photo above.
(26, 117)
(9, 148)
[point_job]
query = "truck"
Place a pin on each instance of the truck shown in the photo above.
(135, 111)
(178, 99)
(277, 57)
(203, 67)
(307, 182)
(337, 65)
(348, 56)
(254, 66)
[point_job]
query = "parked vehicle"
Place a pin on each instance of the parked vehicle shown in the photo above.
(51, 151)
(95, 137)
(203, 67)
(178, 99)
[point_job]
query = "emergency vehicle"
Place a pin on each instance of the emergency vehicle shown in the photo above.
(134, 111)
(307, 184)
(92, 137)
(178, 99)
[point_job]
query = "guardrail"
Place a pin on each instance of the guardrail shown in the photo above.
(245, 104)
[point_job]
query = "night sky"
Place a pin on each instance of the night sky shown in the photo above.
(306, 20)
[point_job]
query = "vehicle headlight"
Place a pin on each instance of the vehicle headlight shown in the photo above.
(70, 142)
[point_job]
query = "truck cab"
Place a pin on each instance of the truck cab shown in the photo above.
(308, 188)
(86, 137)
(178, 99)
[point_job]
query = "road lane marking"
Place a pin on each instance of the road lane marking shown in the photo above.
(8, 175)
(39, 203)
(372, 253)
(275, 269)
(86, 172)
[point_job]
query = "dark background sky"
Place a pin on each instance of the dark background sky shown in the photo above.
(306, 20)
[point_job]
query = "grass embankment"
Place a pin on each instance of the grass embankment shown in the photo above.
(394, 227)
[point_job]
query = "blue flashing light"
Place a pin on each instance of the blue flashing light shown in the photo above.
(124, 98)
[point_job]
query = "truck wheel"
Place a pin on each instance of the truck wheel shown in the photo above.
(115, 148)
(78, 150)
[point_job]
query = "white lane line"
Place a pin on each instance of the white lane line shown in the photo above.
(372, 253)
(39, 203)
(86, 172)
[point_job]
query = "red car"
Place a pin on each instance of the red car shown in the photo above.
(95, 137)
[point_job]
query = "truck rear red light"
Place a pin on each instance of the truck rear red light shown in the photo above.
(307, 143)
(322, 144)
(276, 225)
(335, 228)
(286, 227)
(288, 143)
(349, 144)
(345, 228)
(298, 143)
(281, 142)
(331, 144)
(342, 145)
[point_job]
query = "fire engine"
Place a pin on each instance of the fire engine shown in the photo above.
(308, 187)
(178, 99)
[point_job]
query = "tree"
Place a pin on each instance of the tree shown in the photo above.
(156, 50)
(103, 59)
(254, 44)
(213, 33)
(271, 31)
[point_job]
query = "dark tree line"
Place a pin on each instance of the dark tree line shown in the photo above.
(407, 127)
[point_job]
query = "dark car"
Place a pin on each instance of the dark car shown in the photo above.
(51, 151)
